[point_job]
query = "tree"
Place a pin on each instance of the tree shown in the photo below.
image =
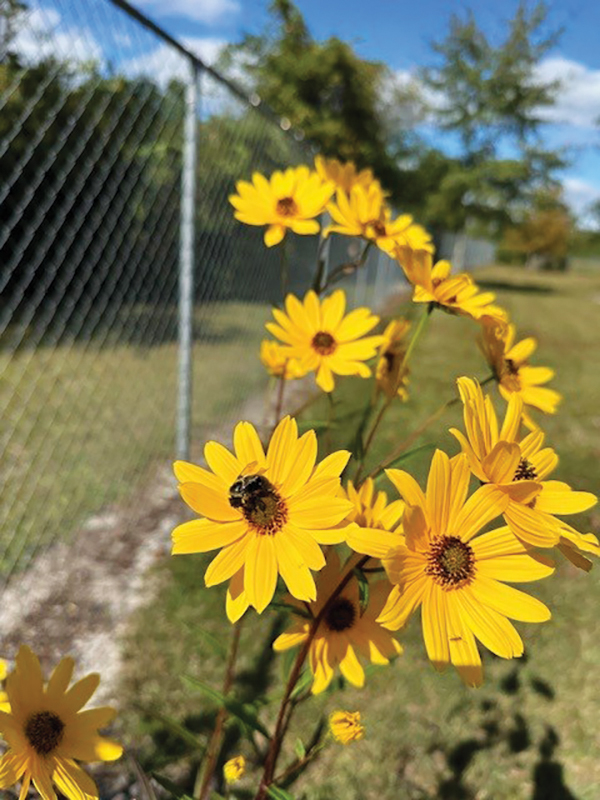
(489, 96)
(545, 233)
(325, 89)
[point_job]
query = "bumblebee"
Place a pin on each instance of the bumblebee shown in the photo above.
(250, 492)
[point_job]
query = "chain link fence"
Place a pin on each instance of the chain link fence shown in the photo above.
(132, 302)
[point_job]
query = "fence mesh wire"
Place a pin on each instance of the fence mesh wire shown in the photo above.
(92, 108)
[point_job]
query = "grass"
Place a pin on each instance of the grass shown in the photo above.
(85, 423)
(531, 732)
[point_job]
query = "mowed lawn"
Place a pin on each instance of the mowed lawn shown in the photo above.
(531, 732)
(86, 424)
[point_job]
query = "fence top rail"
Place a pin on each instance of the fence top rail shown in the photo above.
(253, 100)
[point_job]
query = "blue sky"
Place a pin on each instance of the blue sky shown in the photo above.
(397, 32)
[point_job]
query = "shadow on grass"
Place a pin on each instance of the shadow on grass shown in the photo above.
(503, 734)
(509, 286)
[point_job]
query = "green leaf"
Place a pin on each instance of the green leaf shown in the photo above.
(244, 713)
(217, 646)
(299, 749)
(168, 785)
(297, 610)
(363, 589)
(278, 794)
(302, 684)
(146, 789)
(214, 694)
(178, 729)
(316, 424)
(404, 456)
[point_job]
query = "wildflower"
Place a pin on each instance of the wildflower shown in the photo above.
(267, 512)
(457, 294)
(344, 174)
(509, 362)
(373, 510)
(392, 373)
(455, 576)
(277, 363)
(46, 730)
(234, 769)
(288, 200)
(518, 468)
(343, 631)
(345, 726)
(322, 339)
(365, 213)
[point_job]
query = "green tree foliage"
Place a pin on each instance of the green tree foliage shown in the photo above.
(489, 97)
(339, 101)
(545, 234)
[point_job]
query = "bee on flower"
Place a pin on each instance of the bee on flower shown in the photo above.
(277, 363)
(457, 294)
(290, 200)
(48, 732)
(510, 364)
(322, 338)
(344, 632)
(267, 513)
(346, 727)
(392, 372)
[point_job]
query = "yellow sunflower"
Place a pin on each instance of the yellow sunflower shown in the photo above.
(458, 294)
(345, 726)
(344, 174)
(371, 509)
(365, 213)
(392, 373)
(274, 359)
(344, 631)
(510, 364)
(323, 340)
(288, 200)
(267, 512)
(456, 576)
(518, 467)
(47, 732)
(4, 704)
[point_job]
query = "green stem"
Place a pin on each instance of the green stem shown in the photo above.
(346, 269)
(204, 776)
(382, 411)
(282, 717)
(419, 431)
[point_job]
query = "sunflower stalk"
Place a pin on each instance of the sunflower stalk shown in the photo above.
(283, 718)
(207, 769)
(348, 268)
(384, 408)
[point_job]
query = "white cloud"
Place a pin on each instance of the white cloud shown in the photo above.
(207, 11)
(42, 33)
(580, 194)
(164, 63)
(578, 99)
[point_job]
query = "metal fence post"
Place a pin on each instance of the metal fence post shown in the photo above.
(186, 263)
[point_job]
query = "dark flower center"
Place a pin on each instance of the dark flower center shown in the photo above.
(525, 471)
(340, 615)
(450, 561)
(513, 369)
(324, 343)
(44, 731)
(260, 503)
(378, 227)
(287, 207)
